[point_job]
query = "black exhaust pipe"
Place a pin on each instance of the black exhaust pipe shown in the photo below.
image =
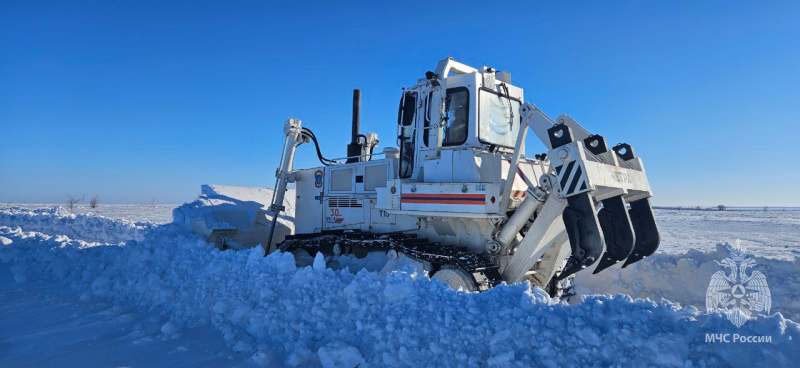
(354, 148)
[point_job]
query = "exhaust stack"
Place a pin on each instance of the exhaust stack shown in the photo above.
(354, 148)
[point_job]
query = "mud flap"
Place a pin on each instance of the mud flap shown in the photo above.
(583, 230)
(644, 225)
(617, 231)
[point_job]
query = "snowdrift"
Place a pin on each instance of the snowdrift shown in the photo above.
(279, 315)
(87, 227)
(684, 278)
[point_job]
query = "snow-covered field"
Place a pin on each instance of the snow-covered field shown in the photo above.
(123, 286)
(774, 233)
(156, 214)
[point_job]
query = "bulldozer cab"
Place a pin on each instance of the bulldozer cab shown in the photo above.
(461, 109)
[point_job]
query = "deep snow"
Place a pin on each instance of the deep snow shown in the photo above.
(43, 323)
(268, 312)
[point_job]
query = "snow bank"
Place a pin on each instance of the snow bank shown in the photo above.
(281, 315)
(684, 278)
(87, 227)
(154, 213)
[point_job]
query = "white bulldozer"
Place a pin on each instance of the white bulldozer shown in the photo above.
(461, 197)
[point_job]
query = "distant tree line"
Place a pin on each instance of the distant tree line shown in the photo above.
(72, 201)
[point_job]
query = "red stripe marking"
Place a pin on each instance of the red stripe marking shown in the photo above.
(431, 198)
(454, 196)
(441, 201)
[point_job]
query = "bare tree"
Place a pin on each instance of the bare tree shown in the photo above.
(721, 207)
(94, 202)
(71, 202)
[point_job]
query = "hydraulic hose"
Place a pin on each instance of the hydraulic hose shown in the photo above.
(327, 162)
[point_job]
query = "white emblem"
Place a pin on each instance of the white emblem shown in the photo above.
(738, 294)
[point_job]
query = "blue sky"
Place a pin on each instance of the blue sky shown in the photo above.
(142, 100)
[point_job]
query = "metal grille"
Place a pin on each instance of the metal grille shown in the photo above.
(343, 202)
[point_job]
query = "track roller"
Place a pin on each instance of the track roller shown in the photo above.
(456, 278)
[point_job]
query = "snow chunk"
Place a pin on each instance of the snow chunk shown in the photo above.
(339, 355)
(501, 360)
(319, 262)
(169, 329)
(395, 291)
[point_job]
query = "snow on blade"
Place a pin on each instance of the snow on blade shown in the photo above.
(222, 198)
(282, 315)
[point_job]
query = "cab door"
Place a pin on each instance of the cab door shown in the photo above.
(407, 126)
(428, 116)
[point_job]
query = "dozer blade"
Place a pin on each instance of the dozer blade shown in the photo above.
(617, 231)
(583, 230)
(644, 225)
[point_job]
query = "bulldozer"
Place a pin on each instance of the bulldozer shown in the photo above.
(460, 195)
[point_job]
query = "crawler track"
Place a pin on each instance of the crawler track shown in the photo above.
(483, 271)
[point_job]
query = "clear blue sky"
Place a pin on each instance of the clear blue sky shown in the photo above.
(135, 100)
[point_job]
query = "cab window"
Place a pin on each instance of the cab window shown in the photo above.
(426, 125)
(457, 113)
(499, 119)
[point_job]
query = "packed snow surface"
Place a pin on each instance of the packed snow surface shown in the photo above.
(772, 233)
(178, 296)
